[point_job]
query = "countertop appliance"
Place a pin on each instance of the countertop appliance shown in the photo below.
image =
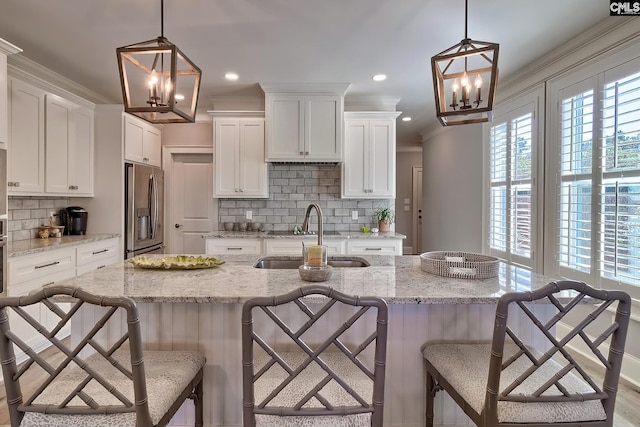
(74, 219)
(144, 213)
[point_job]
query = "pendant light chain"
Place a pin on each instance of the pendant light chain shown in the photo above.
(466, 15)
(162, 18)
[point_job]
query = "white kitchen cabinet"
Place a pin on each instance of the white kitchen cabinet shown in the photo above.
(241, 171)
(96, 255)
(50, 144)
(69, 148)
(293, 246)
(142, 142)
(234, 246)
(30, 272)
(26, 149)
(304, 123)
(374, 246)
(369, 168)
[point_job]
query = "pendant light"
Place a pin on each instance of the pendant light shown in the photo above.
(464, 80)
(159, 83)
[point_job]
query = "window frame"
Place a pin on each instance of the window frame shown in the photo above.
(595, 76)
(531, 101)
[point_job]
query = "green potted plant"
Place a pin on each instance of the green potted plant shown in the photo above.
(384, 216)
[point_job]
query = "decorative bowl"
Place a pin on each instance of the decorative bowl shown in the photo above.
(315, 274)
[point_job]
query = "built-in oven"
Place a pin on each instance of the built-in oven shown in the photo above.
(3, 256)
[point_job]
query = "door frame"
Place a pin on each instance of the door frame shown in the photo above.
(167, 165)
(417, 239)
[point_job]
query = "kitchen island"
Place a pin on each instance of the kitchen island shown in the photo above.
(200, 309)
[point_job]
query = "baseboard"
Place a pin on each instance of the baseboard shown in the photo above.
(630, 364)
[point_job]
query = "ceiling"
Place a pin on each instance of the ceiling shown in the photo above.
(305, 41)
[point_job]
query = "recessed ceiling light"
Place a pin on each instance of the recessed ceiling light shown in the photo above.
(231, 76)
(406, 119)
(379, 77)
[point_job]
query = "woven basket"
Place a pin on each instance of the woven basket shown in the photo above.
(461, 265)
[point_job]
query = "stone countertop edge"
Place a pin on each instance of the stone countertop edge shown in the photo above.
(396, 279)
(32, 246)
(268, 235)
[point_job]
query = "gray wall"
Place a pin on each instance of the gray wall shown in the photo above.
(405, 162)
(452, 189)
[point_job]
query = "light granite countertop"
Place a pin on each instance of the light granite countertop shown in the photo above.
(335, 235)
(31, 246)
(398, 279)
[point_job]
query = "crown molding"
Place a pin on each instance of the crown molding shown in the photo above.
(302, 88)
(236, 113)
(26, 69)
(8, 48)
(409, 148)
(606, 37)
(370, 103)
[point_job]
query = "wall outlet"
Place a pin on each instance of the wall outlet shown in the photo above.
(249, 214)
(406, 208)
(354, 215)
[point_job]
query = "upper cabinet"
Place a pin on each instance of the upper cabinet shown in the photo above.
(304, 123)
(69, 148)
(50, 150)
(25, 162)
(142, 142)
(6, 49)
(240, 168)
(369, 168)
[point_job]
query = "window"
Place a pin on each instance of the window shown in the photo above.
(511, 204)
(597, 178)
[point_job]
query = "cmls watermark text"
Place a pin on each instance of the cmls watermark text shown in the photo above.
(624, 8)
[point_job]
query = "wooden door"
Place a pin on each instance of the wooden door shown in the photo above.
(190, 207)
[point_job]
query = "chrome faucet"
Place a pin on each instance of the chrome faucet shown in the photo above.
(305, 223)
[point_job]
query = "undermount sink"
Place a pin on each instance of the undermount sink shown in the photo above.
(292, 263)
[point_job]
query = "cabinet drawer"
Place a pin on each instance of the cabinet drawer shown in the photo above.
(42, 265)
(23, 288)
(97, 265)
(96, 251)
(293, 246)
(234, 246)
(374, 247)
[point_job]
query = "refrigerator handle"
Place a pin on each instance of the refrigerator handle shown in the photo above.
(154, 187)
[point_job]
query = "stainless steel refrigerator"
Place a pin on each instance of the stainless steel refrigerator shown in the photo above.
(144, 213)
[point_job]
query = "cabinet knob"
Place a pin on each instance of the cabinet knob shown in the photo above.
(146, 159)
(73, 187)
(242, 190)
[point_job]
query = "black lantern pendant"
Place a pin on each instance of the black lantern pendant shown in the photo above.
(159, 83)
(464, 80)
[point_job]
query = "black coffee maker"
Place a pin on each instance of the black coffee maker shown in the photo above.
(74, 219)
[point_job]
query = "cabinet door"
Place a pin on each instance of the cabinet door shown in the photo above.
(355, 169)
(133, 139)
(323, 128)
(226, 140)
(285, 122)
(252, 167)
(57, 136)
(4, 95)
(25, 164)
(241, 171)
(382, 159)
(152, 147)
(81, 159)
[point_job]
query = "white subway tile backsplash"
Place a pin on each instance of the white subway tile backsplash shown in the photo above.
(291, 189)
(26, 214)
